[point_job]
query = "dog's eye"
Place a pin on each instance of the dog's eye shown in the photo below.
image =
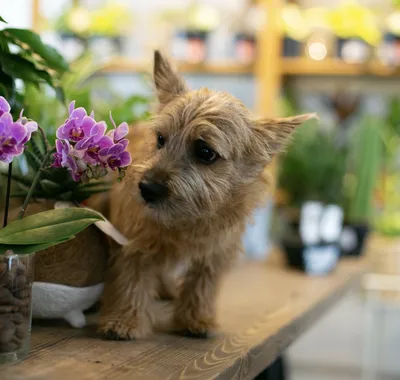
(160, 140)
(204, 153)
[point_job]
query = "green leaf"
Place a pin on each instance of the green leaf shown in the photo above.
(7, 84)
(48, 226)
(24, 180)
(18, 67)
(49, 54)
(31, 248)
(50, 186)
(60, 94)
(2, 20)
(4, 43)
(34, 162)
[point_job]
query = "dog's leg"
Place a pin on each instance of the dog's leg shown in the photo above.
(195, 310)
(128, 293)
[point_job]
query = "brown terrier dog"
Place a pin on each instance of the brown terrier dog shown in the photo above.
(197, 175)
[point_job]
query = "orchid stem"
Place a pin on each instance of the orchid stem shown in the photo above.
(8, 191)
(46, 142)
(34, 183)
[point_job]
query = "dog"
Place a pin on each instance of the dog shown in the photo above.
(198, 172)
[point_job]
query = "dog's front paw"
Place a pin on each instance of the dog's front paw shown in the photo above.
(200, 329)
(122, 329)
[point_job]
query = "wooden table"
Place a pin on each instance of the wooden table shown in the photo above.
(262, 310)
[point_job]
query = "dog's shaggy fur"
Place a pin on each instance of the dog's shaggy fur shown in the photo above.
(203, 217)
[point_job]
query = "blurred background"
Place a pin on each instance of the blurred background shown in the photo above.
(340, 59)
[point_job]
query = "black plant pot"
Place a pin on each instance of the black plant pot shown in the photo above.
(356, 236)
(314, 260)
(291, 47)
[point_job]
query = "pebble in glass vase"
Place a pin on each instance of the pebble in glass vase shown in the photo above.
(16, 277)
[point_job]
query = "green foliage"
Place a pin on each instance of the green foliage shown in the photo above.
(387, 221)
(313, 167)
(364, 167)
(54, 183)
(40, 231)
(24, 56)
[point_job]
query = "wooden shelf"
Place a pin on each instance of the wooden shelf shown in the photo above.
(289, 67)
(336, 67)
(124, 65)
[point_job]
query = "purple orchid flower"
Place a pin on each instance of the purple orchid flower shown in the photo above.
(4, 106)
(116, 157)
(77, 126)
(118, 133)
(67, 157)
(13, 136)
(94, 143)
(84, 148)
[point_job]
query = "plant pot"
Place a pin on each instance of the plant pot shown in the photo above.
(310, 239)
(105, 47)
(57, 291)
(190, 46)
(353, 239)
(291, 47)
(16, 277)
(245, 48)
(353, 50)
(315, 260)
(389, 50)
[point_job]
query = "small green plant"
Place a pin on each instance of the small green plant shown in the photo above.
(312, 168)
(365, 164)
(387, 221)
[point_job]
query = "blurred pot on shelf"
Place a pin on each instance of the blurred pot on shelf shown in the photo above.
(353, 50)
(193, 26)
(319, 42)
(190, 46)
(245, 48)
(295, 29)
(389, 48)
(357, 31)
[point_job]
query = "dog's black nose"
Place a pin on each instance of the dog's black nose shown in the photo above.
(153, 192)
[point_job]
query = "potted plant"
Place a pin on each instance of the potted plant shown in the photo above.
(384, 252)
(360, 183)
(389, 49)
(194, 26)
(310, 177)
(77, 140)
(357, 30)
(295, 29)
(100, 30)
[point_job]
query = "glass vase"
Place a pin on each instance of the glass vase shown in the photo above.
(16, 277)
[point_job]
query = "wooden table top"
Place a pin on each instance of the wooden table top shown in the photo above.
(262, 309)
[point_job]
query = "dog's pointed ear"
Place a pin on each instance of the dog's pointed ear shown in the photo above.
(273, 135)
(168, 83)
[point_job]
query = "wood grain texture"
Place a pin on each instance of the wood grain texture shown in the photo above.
(262, 309)
(336, 67)
(126, 65)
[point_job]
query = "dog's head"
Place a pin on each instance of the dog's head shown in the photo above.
(206, 150)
